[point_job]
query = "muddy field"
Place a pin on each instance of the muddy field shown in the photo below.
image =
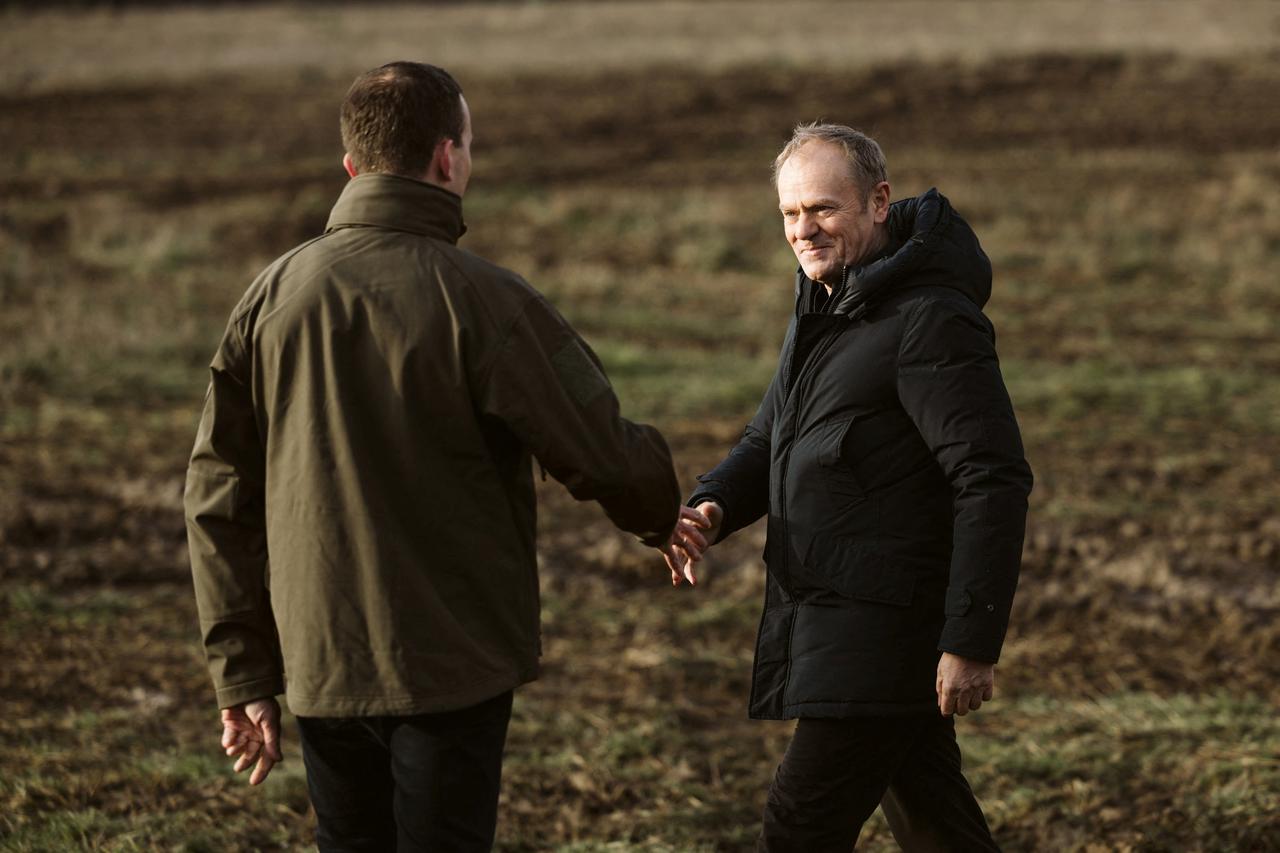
(1131, 206)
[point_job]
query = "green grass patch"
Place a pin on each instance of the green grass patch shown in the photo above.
(685, 382)
(1164, 402)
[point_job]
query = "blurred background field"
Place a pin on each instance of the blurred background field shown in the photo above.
(1118, 159)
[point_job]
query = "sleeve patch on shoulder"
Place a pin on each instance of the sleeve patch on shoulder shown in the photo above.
(579, 374)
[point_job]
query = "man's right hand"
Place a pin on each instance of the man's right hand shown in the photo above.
(696, 531)
(251, 733)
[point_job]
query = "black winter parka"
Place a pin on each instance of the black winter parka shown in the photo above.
(888, 459)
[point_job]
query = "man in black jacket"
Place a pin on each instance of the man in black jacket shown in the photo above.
(888, 460)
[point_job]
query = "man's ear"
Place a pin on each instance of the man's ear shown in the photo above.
(349, 165)
(442, 160)
(880, 201)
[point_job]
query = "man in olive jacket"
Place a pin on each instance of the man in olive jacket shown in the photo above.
(888, 460)
(360, 500)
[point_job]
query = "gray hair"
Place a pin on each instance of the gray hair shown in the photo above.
(867, 167)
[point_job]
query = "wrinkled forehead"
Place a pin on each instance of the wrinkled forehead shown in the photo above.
(816, 171)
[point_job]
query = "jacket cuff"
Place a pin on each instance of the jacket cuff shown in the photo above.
(974, 628)
(247, 691)
(702, 496)
(657, 540)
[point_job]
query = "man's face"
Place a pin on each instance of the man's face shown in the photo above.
(827, 221)
(462, 153)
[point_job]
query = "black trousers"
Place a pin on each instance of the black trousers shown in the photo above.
(835, 772)
(421, 782)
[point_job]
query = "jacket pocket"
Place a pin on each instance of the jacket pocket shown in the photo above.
(830, 439)
(843, 485)
(859, 570)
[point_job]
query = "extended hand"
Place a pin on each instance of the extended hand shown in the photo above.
(696, 531)
(964, 684)
(251, 732)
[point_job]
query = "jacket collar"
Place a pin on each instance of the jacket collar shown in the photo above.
(929, 244)
(402, 204)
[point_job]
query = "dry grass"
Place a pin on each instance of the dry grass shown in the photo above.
(1129, 205)
(59, 49)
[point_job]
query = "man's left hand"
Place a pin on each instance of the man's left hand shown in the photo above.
(964, 684)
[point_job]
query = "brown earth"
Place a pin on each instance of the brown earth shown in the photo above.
(1154, 544)
(1214, 570)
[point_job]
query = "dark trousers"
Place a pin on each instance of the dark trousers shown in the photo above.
(421, 782)
(835, 772)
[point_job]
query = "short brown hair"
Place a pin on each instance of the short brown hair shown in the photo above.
(394, 116)
(867, 166)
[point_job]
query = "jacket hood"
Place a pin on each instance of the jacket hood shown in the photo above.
(929, 245)
(401, 204)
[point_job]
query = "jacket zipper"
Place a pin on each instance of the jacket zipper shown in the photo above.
(798, 388)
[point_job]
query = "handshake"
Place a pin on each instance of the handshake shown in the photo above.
(696, 530)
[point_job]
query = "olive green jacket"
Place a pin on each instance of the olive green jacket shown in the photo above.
(360, 501)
